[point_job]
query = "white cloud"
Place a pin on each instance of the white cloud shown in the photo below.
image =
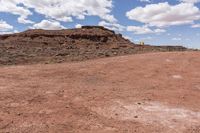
(8, 32)
(23, 20)
(144, 30)
(4, 26)
(5, 32)
(176, 39)
(78, 26)
(195, 26)
(112, 26)
(139, 30)
(10, 6)
(144, 0)
(60, 10)
(159, 30)
(163, 14)
(128, 37)
(48, 25)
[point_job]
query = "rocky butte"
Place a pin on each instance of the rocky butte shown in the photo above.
(55, 46)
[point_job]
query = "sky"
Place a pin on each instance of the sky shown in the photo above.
(156, 22)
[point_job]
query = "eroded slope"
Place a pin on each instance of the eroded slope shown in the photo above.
(55, 46)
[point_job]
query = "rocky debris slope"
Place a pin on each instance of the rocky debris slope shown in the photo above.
(54, 46)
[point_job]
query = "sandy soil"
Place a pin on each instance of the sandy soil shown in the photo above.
(146, 93)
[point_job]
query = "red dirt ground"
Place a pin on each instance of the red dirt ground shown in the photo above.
(145, 93)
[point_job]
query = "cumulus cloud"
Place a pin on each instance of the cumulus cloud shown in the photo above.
(11, 6)
(112, 26)
(144, 0)
(4, 26)
(176, 39)
(78, 26)
(128, 37)
(144, 30)
(8, 32)
(159, 30)
(60, 10)
(195, 26)
(164, 14)
(48, 25)
(24, 20)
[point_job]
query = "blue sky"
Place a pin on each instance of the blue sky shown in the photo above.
(158, 22)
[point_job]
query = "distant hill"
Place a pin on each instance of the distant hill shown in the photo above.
(55, 46)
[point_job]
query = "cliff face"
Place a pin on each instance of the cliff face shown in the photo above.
(49, 46)
(87, 35)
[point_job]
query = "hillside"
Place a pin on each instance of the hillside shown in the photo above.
(55, 46)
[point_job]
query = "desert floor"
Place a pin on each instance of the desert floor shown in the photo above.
(144, 93)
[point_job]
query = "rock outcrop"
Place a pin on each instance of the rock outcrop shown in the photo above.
(49, 46)
(87, 35)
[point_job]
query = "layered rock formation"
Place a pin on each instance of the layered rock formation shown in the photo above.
(50, 46)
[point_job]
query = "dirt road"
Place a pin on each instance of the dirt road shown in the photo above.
(146, 93)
